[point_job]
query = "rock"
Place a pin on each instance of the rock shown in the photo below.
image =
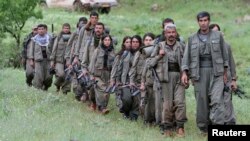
(154, 7)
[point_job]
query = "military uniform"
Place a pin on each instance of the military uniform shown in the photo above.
(173, 92)
(230, 118)
(40, 53)
(127, 104)
(86, 59)
(58, 56)
(149, 98)
(29, 71)
(85, 39)
(100, 69)
(205, 58)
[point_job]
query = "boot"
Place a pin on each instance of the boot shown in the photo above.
(104, 111)
(92, 106)
(180, 132)
(168, 133)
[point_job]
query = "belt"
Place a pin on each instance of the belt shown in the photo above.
(206, 61)
(173, 67)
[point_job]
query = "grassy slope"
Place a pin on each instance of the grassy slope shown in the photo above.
(29, 114)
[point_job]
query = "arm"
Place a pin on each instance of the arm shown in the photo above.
(132, 72)
(79, 42)
(53, 53)
(115, 69)
(68, 51)
(93, 61)
(155, 56)
(85, 60)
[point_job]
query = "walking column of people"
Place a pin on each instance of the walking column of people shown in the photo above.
(148, 75)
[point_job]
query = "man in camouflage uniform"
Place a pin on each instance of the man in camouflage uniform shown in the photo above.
(230, 118)
(38, 56)
(205, 61)
(71, 46)
(167, 63)
(29, 71)
(161, 37)
(59, 60)
(88, 54)
(84, 40)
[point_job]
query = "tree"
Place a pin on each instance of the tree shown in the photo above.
(14, 14)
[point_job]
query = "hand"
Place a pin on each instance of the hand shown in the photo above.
(76, 60)
(184, 79)
(52, 64)
(85, 72)
(161, 52)
(233, 85)
(31, 62)
(70, 66)
(142, 87)
(112, 83)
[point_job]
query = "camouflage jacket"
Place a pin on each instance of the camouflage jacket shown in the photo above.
(60, 50)
(191, 59)
(161, 63)
(96, 66)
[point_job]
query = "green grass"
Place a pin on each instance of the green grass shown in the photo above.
(27, 114)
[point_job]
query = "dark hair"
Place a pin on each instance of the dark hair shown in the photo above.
(42, 25)
(123, 47)
(100, 23)
(203, 14)
(66, 25)
(148, 34)
(138, 37)
(211, 26)
(167, 20)
(84, 19)
(94, 13)
(105, 36)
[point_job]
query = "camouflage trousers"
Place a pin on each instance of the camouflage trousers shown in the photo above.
(158, 104)
(101, 98)
(42, 77)
(60, 81)
(209, 99)
(149, 100)
(230, 118)
(29, 72)
(128, 104)
(174, 104)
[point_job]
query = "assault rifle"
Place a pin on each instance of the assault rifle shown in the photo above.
(112, 89)
(158, 84)
(240, 93)
(84, 80)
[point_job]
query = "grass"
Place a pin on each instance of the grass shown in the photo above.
(28, 114)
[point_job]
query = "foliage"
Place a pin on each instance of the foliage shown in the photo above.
(13, 16)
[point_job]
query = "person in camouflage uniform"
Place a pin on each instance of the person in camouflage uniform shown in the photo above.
(29, 71)
(84, 40)
(59, 61)
(138, 67)
(71, 46)
(167, 63)
(205, 62)
(38, 56)
(88, 54)
(119, 74)
(130, 104)
(230, 118)
(161, 37)
(100, 69)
